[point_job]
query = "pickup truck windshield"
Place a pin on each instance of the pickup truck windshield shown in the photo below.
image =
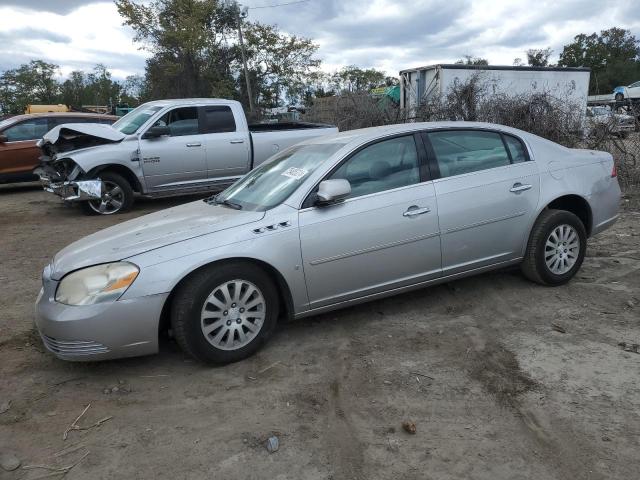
(133, 120)
(277, 178)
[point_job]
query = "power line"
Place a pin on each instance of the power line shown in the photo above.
(279, 4)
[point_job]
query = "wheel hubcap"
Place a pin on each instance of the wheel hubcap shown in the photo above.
(111, 201)
(233, 314)
(562, 249)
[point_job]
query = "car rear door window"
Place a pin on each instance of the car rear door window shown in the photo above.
(516, 149)
(181, 121)
(464, 151)
(219, 119)
(382, 166)
(32, 129)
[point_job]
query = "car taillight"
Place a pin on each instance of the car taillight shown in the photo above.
(614, 172)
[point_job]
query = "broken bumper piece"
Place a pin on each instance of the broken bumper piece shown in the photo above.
(73, 191)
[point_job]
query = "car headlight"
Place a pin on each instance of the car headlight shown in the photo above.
(98, 284)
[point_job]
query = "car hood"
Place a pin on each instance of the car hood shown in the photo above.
(69, 130)
(149, 232)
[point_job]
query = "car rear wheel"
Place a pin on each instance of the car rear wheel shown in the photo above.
(556, 248)
(225, 312)
(117, 196)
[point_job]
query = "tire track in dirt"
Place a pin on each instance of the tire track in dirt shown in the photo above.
(345, 451)
(499, 372)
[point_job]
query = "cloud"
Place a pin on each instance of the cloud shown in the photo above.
(33, 34)
(61, 7)
(391, 35)
(79, 39)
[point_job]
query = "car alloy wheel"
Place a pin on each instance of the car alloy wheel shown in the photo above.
(233, 314)
(111, 201)
(561, 249)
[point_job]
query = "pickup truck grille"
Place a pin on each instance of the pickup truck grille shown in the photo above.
(73, 347)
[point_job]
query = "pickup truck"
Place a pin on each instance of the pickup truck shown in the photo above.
(162, 148)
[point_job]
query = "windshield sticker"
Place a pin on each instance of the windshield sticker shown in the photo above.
(293, 172)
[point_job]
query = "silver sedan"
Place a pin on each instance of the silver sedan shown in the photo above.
(328, 223)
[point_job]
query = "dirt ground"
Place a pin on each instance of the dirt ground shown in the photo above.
(494, 390)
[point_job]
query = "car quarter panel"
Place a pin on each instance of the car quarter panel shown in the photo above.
(273, 240)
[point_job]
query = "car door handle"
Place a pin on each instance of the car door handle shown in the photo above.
(196, 144)
(414, 211)
(236, 141)
(519, 187)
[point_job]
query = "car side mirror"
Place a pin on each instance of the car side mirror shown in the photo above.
(332, 191)
(3, 138)
(157, 131)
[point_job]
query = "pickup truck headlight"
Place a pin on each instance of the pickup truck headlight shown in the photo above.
(98, 284)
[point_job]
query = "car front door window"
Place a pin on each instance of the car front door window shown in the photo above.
(181, 121)
(382, 166)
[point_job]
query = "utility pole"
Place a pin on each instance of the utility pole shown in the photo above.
(241, 13)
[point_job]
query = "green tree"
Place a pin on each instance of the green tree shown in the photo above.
(538, 57)
(279, 64)
(471, 60)
(188, 39)
(73, 88)
(613, 56)
(356, 79)
(100, 89)
(31, 83)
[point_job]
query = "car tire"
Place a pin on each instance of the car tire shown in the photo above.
(217, 318)
(619, 97)
(111, 203)
(556, 248)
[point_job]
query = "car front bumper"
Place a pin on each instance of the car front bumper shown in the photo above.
(70, 191)
(124, 328)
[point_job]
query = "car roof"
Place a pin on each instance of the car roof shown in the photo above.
(365, 135)
(191, 101)
(26, 116)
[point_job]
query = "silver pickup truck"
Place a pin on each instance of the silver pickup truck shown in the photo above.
(162, 148)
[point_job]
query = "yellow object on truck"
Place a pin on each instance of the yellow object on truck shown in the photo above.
(46, 108)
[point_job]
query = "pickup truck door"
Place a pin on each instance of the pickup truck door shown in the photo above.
(487, 196)
(228, 150)
(176, 160)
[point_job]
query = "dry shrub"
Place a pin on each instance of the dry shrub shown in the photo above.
(560, 120)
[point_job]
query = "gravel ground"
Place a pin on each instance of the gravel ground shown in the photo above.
(494, 389)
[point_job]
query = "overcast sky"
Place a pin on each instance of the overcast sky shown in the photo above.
(386, 34)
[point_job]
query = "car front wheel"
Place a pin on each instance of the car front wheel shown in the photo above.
(117, 196)
(556, 248)
(225, 312)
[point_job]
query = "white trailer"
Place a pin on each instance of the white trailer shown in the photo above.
(419, 85)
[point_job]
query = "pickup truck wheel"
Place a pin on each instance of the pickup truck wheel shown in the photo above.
(117, 196)
(224, 313)
(556, 248)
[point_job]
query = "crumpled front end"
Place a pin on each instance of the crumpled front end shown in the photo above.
(60, 176)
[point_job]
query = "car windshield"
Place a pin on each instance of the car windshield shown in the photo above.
(133, 120)
(272, 182)
(6, 122)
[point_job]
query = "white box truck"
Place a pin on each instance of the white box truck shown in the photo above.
(419, 85)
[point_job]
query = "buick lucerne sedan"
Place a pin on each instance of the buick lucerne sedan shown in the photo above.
(327, 223)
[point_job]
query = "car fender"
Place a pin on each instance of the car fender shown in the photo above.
(124, 153)
(273, 241)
